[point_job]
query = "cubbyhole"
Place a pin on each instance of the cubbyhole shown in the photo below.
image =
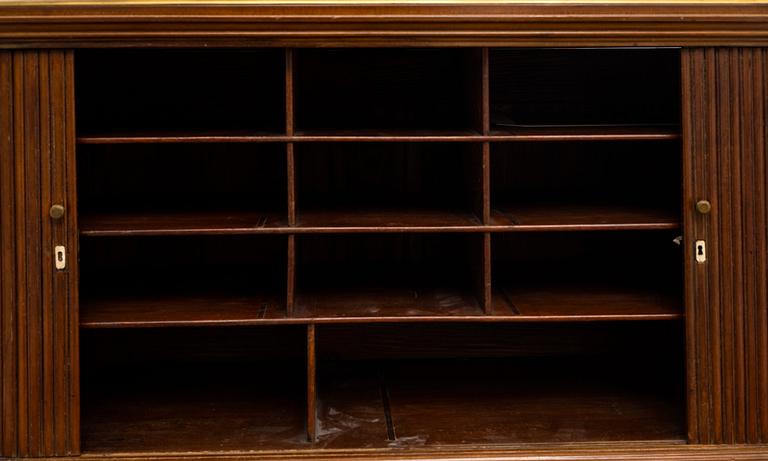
(545, 88)
(184, 91)
(388, 275)
(386, 90)
(439, 385)
(588, 275)
(182, 280)
(430, 185)
(586, 184)
(193, 389)
(156, 188)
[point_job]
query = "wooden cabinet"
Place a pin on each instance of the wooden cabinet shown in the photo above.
(402, 231)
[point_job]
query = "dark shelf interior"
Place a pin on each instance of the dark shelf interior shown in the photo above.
(190, 280)
(582, 183)
(387, 89)
(202, 389)
(371, 184)
(399, 386)
(442, 385)
(427, 402)
(377, 275)
(457, 250)
(169, 185)
(585, 274)
(532, 88)
(186, 90)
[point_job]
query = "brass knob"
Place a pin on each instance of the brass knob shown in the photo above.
(703, 206)
(56, 211)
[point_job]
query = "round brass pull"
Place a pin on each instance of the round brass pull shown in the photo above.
(703, 206)
(56, 211)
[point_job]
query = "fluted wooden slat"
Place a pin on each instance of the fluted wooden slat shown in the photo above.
(38, 358)
(724, 144)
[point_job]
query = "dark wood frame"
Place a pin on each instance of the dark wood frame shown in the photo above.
(724, 88)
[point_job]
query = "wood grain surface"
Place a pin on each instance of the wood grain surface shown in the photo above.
(40, 404)
(724, 132)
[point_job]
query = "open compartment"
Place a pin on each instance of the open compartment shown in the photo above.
(193, 389)
(370, 276)
(182, 280)
(438, 385)
(588, 275)
(601, 89)
(384, 185)
(178, 187)
(567, 185)
(180, 91)
(387, 90)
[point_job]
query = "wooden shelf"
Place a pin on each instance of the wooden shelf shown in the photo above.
(388, 305)
(180, 310)
(388, 136)
(205, 409)
(428, 220)
(557, 217)
(201, 223)
(512, 402)
(512, 219)
(172, 137)
(584, 133)
(556, 304)
(583, 302)
(499, 134)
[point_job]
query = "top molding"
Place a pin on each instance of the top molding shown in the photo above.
(132, 23)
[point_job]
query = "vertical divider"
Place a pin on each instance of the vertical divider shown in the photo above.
(486, 162)
(289, 131)
(487, 293)
(289, 92)
(290, 299)
(486, 91)
(486, 276)
(291, 181)
(311, 383)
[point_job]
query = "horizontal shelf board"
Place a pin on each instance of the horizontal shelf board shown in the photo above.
(180, 223)
(518, 219)
(171, 311)
(387, 135)
(581, 217)
(497, 135)
(579, 304)
(397, 303)
(152, 137)
(583, 302)
(425, 219)
(584, 133)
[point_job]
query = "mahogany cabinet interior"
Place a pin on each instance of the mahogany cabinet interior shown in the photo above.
(401, 231)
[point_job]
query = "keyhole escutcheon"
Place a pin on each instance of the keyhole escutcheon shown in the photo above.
(701, 251)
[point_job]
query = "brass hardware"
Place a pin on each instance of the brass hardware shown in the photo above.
(56, 211)
(703, 206)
